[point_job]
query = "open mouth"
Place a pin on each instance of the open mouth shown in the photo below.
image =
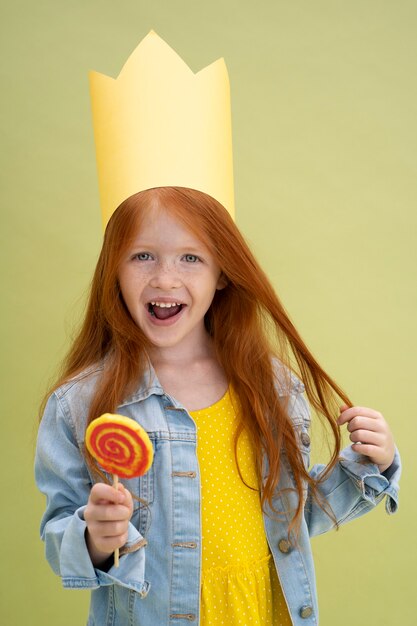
(164, 310)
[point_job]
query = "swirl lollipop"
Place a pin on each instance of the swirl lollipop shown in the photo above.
(121, 446)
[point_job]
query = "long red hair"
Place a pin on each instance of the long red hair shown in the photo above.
(246, 321)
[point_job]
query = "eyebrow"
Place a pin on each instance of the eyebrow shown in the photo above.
(183, 248)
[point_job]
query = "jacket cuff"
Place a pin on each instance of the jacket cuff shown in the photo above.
(77, 570)
(130, 546)
(371, 483)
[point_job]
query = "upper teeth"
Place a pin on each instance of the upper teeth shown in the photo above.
(165, 305)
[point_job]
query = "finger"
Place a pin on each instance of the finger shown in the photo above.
(109, 529)
(110, 543)
(119, 541)
(106, 493)
(365, 423)
(367, 437)
(127, 496)
(354, 411)
(106, 513)
(374, 452)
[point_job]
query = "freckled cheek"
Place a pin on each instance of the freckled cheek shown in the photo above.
(132, 287)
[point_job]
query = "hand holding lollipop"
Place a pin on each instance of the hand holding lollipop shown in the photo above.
(121, 446)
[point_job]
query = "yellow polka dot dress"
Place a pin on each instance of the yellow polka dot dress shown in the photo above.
(239, 582)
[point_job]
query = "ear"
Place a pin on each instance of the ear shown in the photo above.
(222, 282)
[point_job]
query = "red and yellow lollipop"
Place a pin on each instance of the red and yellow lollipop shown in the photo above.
(121, 446)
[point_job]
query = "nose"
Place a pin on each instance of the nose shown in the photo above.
(165, 277)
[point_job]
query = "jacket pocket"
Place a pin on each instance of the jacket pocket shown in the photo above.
(301, 427)
(303, 439)
(144, 492)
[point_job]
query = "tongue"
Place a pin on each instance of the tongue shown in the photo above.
(164, 313)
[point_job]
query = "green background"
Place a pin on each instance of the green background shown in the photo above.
(324, 98)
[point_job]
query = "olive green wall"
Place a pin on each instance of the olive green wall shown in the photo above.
(324, 98)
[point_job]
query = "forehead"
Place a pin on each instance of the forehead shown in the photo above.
(160, 225)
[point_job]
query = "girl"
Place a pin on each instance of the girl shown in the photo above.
(184, 333)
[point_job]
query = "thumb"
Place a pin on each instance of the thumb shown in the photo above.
(127, 496)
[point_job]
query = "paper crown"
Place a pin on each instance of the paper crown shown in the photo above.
(159, 124)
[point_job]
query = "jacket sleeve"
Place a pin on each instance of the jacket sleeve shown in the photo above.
(355, 485)
(62, 476)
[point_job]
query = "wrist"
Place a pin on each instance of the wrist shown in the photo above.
(383, 468)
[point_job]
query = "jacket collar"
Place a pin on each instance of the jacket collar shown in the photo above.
(148, 385)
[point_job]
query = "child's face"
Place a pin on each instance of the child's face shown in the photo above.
(168, 279)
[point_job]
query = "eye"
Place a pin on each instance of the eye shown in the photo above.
(142, 256)
(191, 258)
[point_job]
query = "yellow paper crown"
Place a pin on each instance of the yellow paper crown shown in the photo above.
(159, 124)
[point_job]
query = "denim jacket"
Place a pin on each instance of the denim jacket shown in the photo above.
(158, 580)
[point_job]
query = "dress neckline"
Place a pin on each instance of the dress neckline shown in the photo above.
(212, 407)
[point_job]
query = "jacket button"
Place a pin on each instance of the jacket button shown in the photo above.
(305, 439)
(306, 611)
(284, 546)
